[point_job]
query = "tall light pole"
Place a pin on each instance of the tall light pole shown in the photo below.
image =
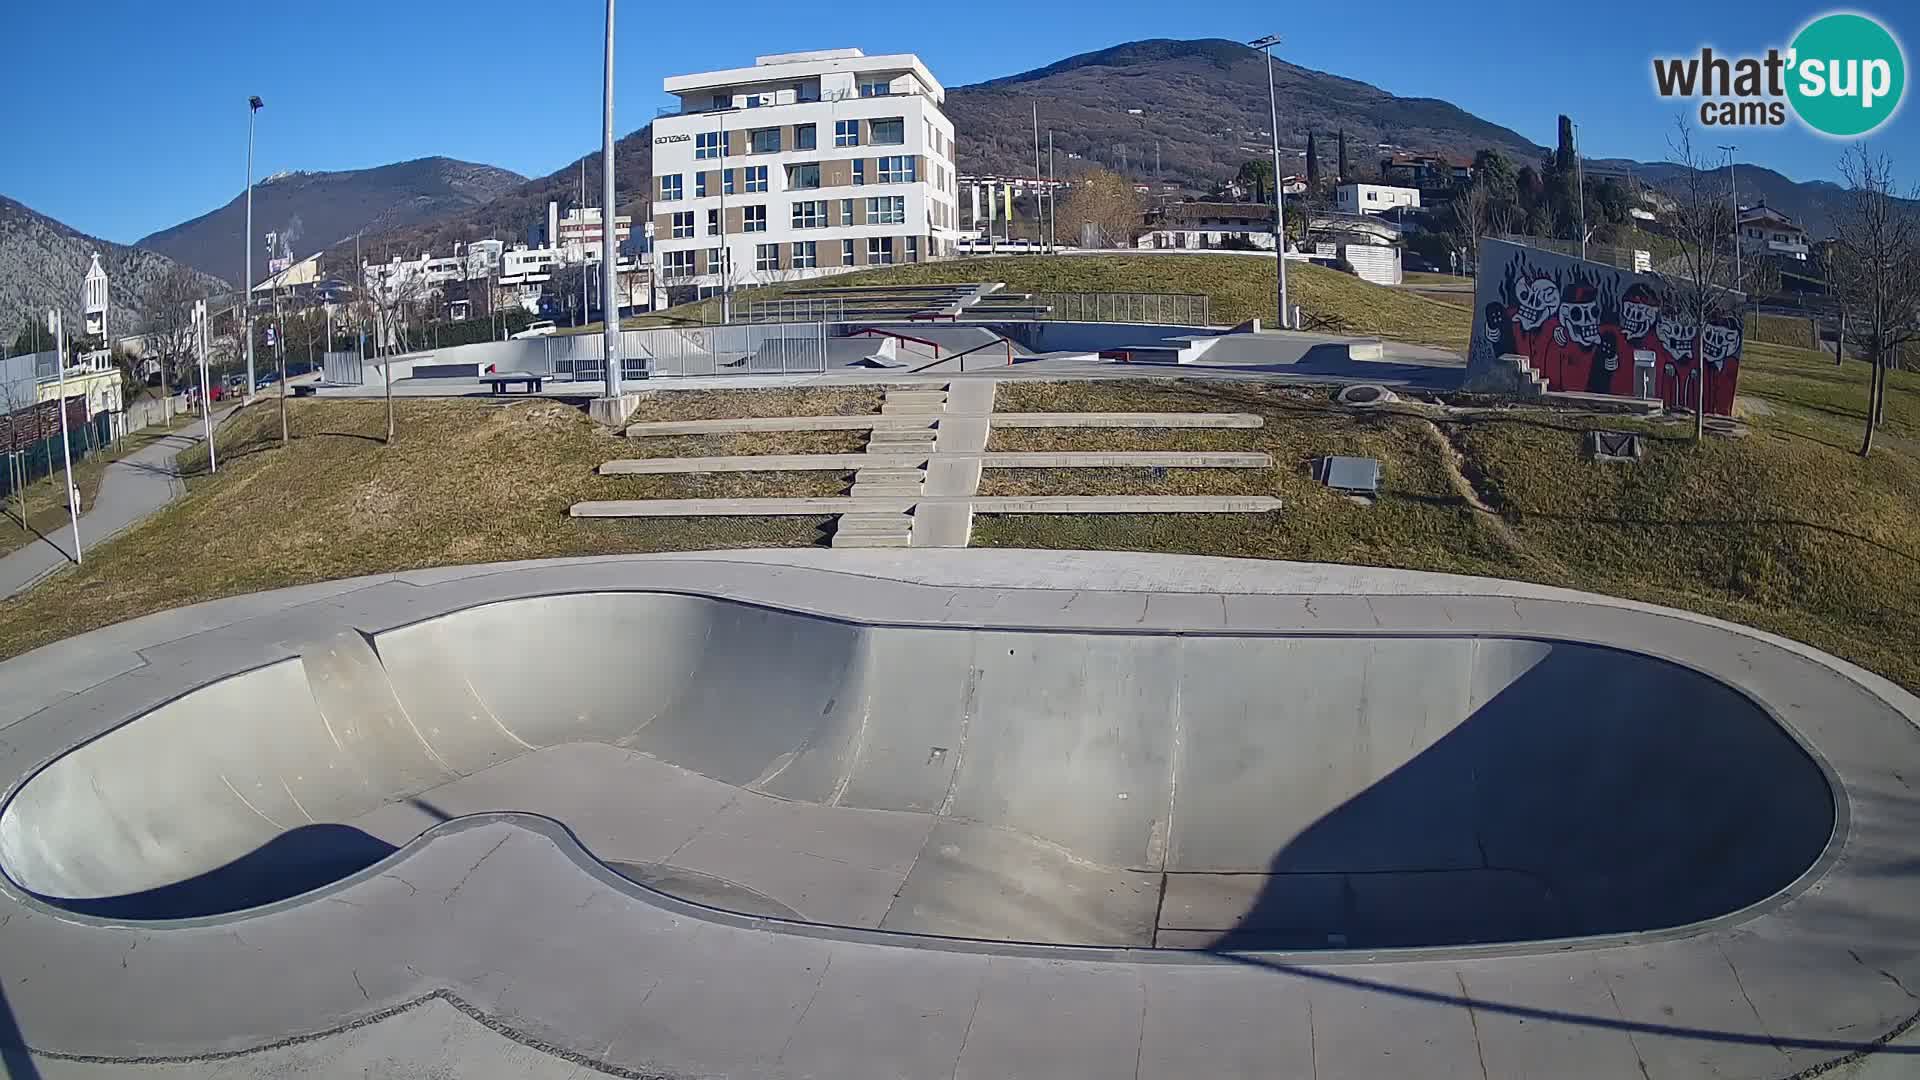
(726, 257)
(57, 326)
(609, 302)
(1266, 44)
(1734, 180)
(246, 288)
(1580, 183)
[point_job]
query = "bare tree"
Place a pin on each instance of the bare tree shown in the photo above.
(1470, 205)
(1876, 272)
(1104, 200)
(1703, 289)
(393, 300)
(168, 301)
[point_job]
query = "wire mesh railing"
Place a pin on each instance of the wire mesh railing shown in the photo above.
(1183, 309)
(795, 310)
(742, 349)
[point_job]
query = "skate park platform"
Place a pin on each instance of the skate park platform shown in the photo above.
(988, 813)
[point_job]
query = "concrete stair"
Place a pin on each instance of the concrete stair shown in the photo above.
(881, 530)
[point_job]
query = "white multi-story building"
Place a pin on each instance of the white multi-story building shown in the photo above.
(1373, 198)
(803, 164)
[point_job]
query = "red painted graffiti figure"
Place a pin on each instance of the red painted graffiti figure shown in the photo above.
(1535, 319)
(1720, 345)
(1675, 359)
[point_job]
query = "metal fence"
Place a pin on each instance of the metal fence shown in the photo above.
(1183, 309)
(756, 349)
(342, 369)
(796, 310)
(1630, 259)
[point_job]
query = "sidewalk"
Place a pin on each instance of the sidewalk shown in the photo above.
(130, 489)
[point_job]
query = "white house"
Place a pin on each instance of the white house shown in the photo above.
(1373, 198)
(1764, 229)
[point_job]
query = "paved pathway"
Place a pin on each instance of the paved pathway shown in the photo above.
(132, 488)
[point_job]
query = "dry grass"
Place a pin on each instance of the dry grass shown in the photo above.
(45, 501)
(744, 404)
(465, 482)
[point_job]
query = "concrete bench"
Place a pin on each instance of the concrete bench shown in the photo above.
(500, 380)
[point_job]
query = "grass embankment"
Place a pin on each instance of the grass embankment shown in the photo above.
(1237, 287)
(45, 499)
(464, 482)
(1785, 529)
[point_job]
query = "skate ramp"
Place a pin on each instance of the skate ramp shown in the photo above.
(1101, 789)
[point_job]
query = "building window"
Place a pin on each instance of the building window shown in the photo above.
(846, 253)
(766, 257)
(753, 219)
(699, 185)
(846, 211)
(678, 264)
(880, 250)
(800, 177)
(810, 215)
(726, 181)
(875, 89)
(717, 261)
(804, 137)
(754, 101)
(713, 223)
(896, 170)
(756, 178)
(859, 170)
(846, 133)
(887, 210)
(707, 145)
(766, 140)
(806, 254)
(722, 101)
(683, 224)
(889, 131)
(913, 249)
(670, 189)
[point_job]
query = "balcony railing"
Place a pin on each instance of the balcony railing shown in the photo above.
(833, 95)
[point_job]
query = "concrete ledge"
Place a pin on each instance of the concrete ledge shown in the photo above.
(613, 411)
(1126, 420)
(1148, 459)
(809, 506)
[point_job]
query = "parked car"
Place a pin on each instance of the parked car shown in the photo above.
(543, 328)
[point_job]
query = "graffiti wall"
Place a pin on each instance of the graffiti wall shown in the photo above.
(1591, 327)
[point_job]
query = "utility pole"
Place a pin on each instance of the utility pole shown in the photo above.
(586, 309)
(57, 327)
(254, 105)
(610, 307)
(206, 395)
(1580, 182)
(1038, 207)
(1053, 198)
(1266, 44)
(1734, 180)
(726, 257)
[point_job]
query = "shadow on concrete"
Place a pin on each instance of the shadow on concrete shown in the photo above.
(14, 1057)
(1532, 819)
(297, 861)
(1522, 825)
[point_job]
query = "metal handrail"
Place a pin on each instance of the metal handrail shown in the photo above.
(897, 334)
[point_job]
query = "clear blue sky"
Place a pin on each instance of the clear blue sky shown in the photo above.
(158, 135)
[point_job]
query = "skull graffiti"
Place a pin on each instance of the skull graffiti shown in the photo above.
(1676, 334)
(1539, 300)
(1580, 315)
(1720, 341)
(1638, 311)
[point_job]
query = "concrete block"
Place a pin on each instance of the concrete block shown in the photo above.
(613, 411)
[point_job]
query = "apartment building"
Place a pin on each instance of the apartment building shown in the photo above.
(804, 164)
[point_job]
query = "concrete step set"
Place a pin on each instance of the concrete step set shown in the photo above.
(918, 483)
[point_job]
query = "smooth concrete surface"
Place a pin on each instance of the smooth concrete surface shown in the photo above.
(937, 742)
(901, 422)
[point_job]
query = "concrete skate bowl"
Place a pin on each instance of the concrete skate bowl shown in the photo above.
(1178, 791)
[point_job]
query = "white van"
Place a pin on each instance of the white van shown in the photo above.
(544, 328)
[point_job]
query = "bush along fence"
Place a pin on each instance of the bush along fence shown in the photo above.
(30, 441)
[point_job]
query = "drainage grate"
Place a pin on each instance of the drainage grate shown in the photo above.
(1621, 446)
(1351, 473)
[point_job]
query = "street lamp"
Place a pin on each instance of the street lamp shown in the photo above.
(246, 288)
(1734, 180)
(1266, 44)
(609, 266)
